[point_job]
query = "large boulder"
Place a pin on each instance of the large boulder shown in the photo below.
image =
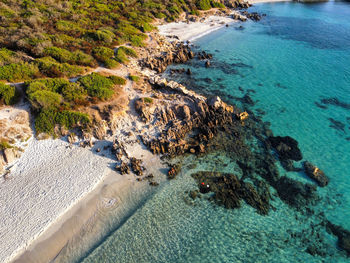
(316, 174)
(9, 155)
(215, 102)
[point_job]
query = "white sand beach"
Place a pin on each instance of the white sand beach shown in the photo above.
(193, 30)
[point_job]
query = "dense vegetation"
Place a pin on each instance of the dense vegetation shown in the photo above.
(44, 42)
(55, 100)
(8, 94)
(60, 38)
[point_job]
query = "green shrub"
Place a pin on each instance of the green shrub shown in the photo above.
(121, 57)
(216, 4)
(98, 86)
(4, 144)
(134, 78)
(47, 119)
(64, 56)
(52, 84)
(73, 92)
(148, 100)
(8, 94)
(128, 51)
(102, 35)
(44, 99)
(160, 15)
(51, 68)
(117, 80)
(123, 53)
(8, 57)
(18, 72)
(105, 55)
(80, 58)
(137, 41)
(204, 4)
(60, 54)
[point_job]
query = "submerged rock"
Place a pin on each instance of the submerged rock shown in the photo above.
(342, 234)
(295, 193)
(174, 171)
(286, 147)
(229, 191)
(316, 174)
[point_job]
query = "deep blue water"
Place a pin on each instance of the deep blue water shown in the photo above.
(295, 65)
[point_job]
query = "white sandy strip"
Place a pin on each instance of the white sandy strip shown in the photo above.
(194, 30)
(48, 179)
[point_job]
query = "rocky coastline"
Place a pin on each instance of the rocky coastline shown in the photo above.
(172, 121)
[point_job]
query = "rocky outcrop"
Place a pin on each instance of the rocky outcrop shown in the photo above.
(316, 174)
(286, 147)
(136, 166)
(142, 108)
(100, 130)
(174, 171)
(179, 53)
(236, 4)
(229, 191)
(253, 16)
(123, 168)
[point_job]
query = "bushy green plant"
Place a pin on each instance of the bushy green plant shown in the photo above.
(102, 35)
(204, 4)
(18, 72)
(44, 99)
(51, 68)
(64, 56)
(123, 53)
(148, 100)
(48, 118)
(73, 92)
(4, 144)
(216, 4)
(134, 78)
(8, 94)
(117, 80)
(52, 84)
(128, 51)
(106, 56)
(98, 86)
(8, 57)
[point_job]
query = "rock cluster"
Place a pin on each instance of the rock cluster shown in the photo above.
(236, 4)
(253, 16)
(201, 120)
(229, 190)
(179, 53)
(136, 166)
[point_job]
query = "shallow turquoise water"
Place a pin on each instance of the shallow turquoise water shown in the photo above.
(289, 62)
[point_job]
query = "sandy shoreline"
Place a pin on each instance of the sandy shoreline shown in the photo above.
(194, 30)
(52, 183)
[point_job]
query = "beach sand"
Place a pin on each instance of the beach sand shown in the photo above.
(193, 30)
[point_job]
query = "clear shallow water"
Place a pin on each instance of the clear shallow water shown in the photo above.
(288, 62)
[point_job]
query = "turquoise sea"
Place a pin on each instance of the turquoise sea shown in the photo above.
(295, 66)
